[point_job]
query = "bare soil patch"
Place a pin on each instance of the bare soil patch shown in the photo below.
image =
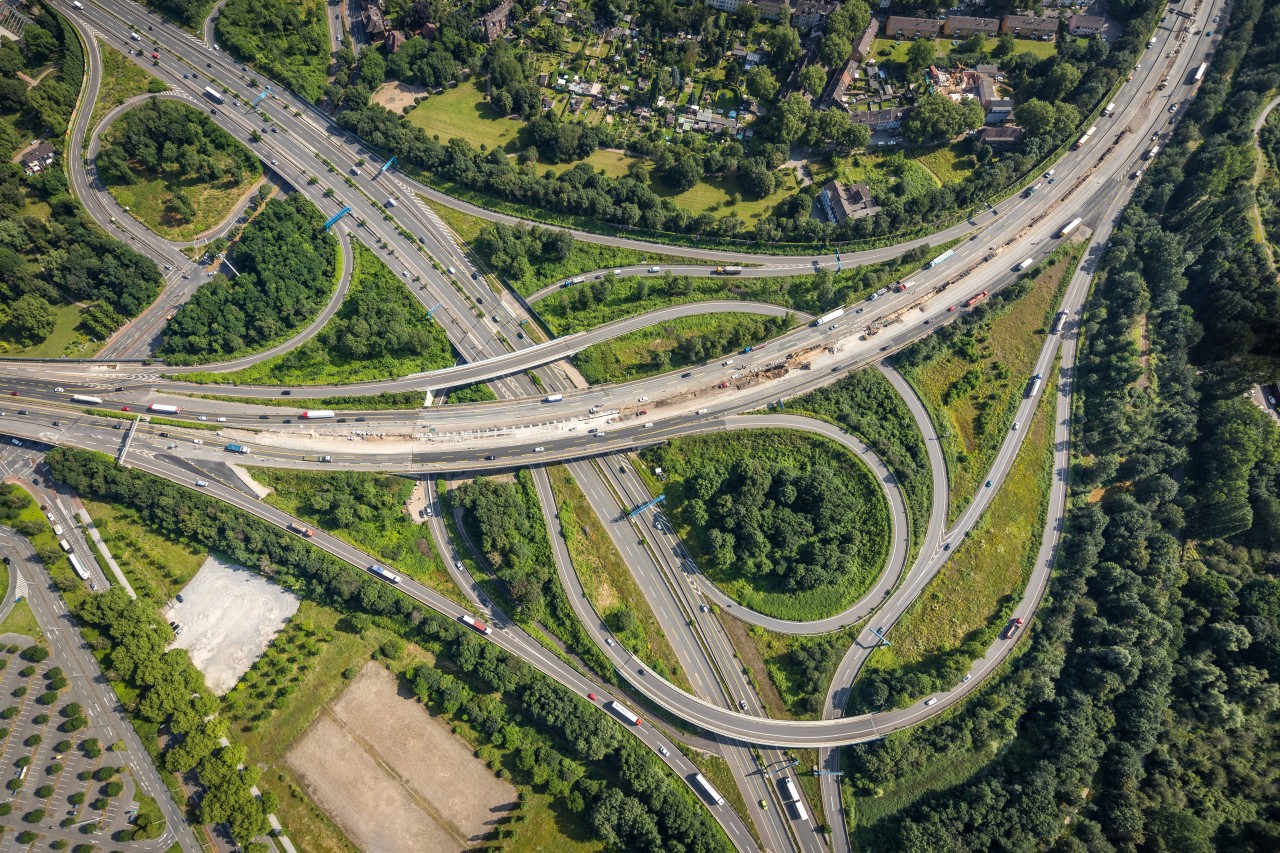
(227, 617)
(404, 781)
(397, 96)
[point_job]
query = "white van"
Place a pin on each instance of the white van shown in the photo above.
(135, 36)
(76, 4)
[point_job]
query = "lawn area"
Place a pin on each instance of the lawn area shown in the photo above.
(885, 50)
(21, 621)
(463, 112)
(157, 566)
(380, 332)
(973, 373)
(968, 602)
(583, 257)
(612, 163)
(950, 165)
(121, 80)
(789, 524)
(888, 174)
(151, 197)
(67, 340)
(609, 584)
(674, 344)
(366, 510)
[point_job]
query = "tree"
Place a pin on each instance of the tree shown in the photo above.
(836, 50)
(936, 118)
(1036, 117)
(921, 53)
(31, 319)
(38, 44)
(1005, 45)
(813, 80)
(754, 178)
(784, 45)
(761, 83)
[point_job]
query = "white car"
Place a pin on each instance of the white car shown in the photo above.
(197, 441)
(664, 752)
(643, 399)
(219, 420)
(608, 641)
(933, 700)
(57, 390)
(968, 677)
(539, 449)
(655, 269)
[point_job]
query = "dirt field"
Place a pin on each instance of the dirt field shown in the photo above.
(404, 781)
(397, 96)
(228, 615)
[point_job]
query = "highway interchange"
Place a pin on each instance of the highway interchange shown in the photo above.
(523, 430)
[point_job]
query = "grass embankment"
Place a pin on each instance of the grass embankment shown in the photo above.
(961, 611)
(789, 524)
(22, 621)
(675, 344)
(366, 510)
(479, 393)
(380, 332)
(121, 80)
(592, 304)
(156, 197)
(157, 566)
(972, 373)
(609, 585)
(67, 340)
(583, 257)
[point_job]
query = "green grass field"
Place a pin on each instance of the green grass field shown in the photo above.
(950, 165)
(967, 603)
(66, 340)
(157, 566)
(319, 361)
(972, 389)
(885, 50)
(664, 347)
(608, 582)
(463, 112)
(887, 174)
(687, 460)
(21, 621)
(121, 80)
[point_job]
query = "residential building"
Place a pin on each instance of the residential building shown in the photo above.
(494, 23)
(837, 90)
(723, 5)
(846, 201)
(807, 14)
(1086, 25)
(1004, 135)
(1030, 27)
(38, 159)
(880, 120)
(912, 28)
(395, 40)
(998, 109)
(961, 27)
(862, 50)
(771, 10)
(429, 30)
(375, 26)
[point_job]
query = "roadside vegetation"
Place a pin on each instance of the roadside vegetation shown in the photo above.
(288, 42)
(478, 393)
(866, 405)
(367, 510)
(503, 519)
(65, 285)
(609, 584)
(174, 169)
(380, 332)
(969, 602)
(675, 344)
(972, 372)
(157, 565)
(121, 80)
(534, 730)
(287, 269)
(189, 13)
(595, 303)
(788, 524)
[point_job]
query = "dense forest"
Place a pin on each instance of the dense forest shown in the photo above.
(49, 259)
(566, 747)
(1142, 714)
(173, 140)
(286, 270)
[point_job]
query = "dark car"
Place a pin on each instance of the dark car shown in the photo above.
(360, 420)
(264, 417)
(490, 458)
(286, 392)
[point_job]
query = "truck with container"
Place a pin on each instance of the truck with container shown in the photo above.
(317, 414)
(478, 626)
(829, 316)
(80, 570)
(1154, 150)
(1058, 322)
(1084, 140)
(727, 271)
(1204, 66)
(85, 398)
(1014, 626)
(384, 573)
(237, 448)
(708, 790)
(938, 260)
(62, 543)
(903, 286)
(294, 527)
(625, 713)
(1034, 387)
(553, 398)
(792, 797)
(1025, 265)
(214, 95)
(974, 300)
(1111, 107)
(164, 409)
(1069, 227)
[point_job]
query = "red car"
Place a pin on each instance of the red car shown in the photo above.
(591, 696)
(13, 393)
(952, 308)
(124, 408)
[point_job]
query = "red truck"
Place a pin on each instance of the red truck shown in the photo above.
(975, 300)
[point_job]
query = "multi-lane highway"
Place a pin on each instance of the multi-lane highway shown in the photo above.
(521, 430)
